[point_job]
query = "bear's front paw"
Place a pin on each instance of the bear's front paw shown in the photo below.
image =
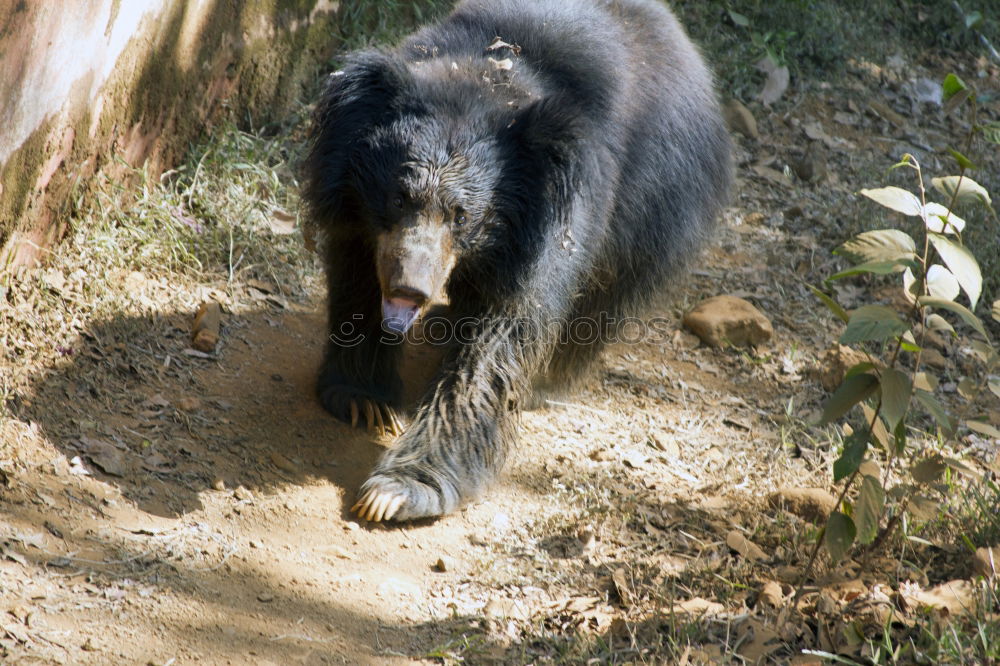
(404, 495)
(349, 407)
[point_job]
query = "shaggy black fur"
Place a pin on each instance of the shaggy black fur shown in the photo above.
(578, 163)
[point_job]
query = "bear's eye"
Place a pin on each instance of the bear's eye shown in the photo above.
(397, 202)
(460, 218)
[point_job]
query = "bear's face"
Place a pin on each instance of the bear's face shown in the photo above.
(427, 194)
(441, 171)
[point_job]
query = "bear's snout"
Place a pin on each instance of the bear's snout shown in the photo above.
(414, 261)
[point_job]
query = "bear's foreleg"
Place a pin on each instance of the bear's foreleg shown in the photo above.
(461, 435)
(358, 379)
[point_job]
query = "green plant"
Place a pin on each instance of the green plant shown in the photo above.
(936, 269)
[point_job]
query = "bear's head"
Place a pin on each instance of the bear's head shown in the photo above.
(447, 175)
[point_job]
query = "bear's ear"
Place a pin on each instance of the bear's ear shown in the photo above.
(361, 96)
(361, 92)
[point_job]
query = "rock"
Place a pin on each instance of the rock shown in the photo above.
(748, 549)
(444, 564)
(740, 119)
(622, 588)
(986, 561)
(728, 320)
(834, 364)
(265, 597)
(812, 504)
(810, 167)
(206, 326)
(283, 463)
(188, 404)
(506, 609)
(242, 494)
(684, 340)
(932, 358)
(794, 212)
(772, 594)
(883, 111)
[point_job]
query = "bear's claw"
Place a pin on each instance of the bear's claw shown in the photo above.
(379, 417)
(398, 496)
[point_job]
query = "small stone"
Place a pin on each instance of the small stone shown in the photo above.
(794, 212)
(509, 609)
(668, 445)
(242, 494)
(772, 594)
(810, 167)
(283, 463)
(188, 404)
(444, 564)
(986, 562)
(620, 580)
(728, 320)
(934, 359)
(739, 119)
(812, 504)
(748, 549)
(206, 326)
(834, 364)
(218, 484)
(265, 597)
(89, 646)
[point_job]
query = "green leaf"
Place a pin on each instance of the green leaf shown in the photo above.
(991, 132)
(983, 429)
(952, 85)
(936, 322)
(896, 391)
(928, 470)
(941, 283)
(900, 435)
(983, 351)
(963, 162)
(873, 322)
(972, 19)
(962, 311)
(967, 388)
(868, 509)
(839, 534)
(833, 305)
(895, 198)
(936, 410)
(855, 448)
(859, 369)
(957, 100)
(939, 219)
(880, 435)
(876, 267)
(739, 19)
(969, 191)
(852, 391)
(876, 246)
(962, 264)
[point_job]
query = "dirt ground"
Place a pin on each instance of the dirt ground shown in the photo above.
(165, 507)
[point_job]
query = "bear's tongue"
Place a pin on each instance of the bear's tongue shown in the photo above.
(398, 314)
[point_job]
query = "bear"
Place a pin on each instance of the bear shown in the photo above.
(520, 165)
